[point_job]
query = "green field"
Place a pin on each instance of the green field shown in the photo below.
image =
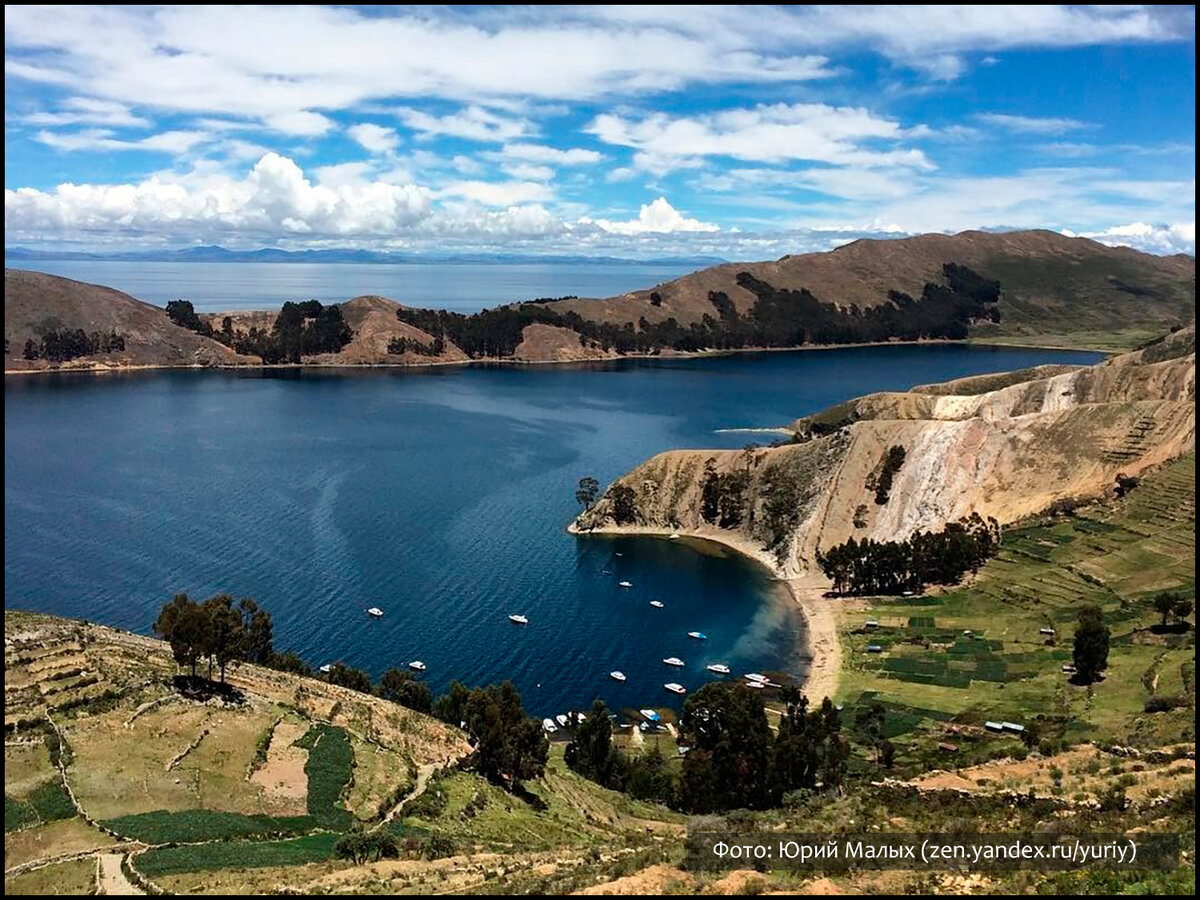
(977, 653)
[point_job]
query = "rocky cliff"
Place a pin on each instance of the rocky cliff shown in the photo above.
(1005, 446)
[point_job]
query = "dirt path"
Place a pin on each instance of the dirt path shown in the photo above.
(424, 773)
(109, 877)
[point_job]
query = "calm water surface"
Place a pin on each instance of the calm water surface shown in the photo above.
(439, 495)
(216, 286)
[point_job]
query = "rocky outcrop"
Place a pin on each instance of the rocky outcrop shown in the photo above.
(1009, 452)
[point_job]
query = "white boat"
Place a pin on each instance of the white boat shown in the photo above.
(518, 619)
(719, 668)
(649, 715)
(675, 688)
(417, 666)
(698, 635)
(619, 553)
(675, 535)
(579, 717)
(673, 661)
(756, 685)
(549, 726)
(754, 676)
(325, 669)
(657, 604)
(625, 584)
(562, 720)
(376, 612)
(617, 676)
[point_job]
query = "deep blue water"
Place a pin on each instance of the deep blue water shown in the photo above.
(439, 495)
(216, 286)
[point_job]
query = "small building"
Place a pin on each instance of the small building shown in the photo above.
(994, 726)
(1013, 727)
(1049, 632)
(871, 624)
(947, 747)
(874, 648)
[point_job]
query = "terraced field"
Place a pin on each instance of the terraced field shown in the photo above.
(994, 650)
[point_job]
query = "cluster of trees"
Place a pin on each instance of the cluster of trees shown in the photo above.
(624, 504)
(723, 496)
(1090, 653)
(398, 346)
(891, 567)
(779, 318)
(733, 762)
(300, 329)
(61, 345)
(1170, 604)
(881, 482)
(509, 745)
(217, 631)
(367, 846)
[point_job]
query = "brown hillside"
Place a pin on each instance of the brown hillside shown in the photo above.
(35, 303)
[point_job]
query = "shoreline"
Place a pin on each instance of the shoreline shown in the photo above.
(822, 617)
(100, 369)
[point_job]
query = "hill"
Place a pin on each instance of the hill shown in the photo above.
(47, 313)
(1034, 287)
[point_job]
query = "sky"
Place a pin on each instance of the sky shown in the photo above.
(740, 132)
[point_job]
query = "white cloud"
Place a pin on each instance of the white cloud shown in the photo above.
(374, 138)
(103, 139)
(529, 171)
(776, 133)
(1161, 239)
(304, 123)
(1032, 124)
(473, 123)
(538, 153)
(88, 111)
(499, 193)
(658, 217)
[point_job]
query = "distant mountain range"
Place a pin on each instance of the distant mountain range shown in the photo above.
(275, 255)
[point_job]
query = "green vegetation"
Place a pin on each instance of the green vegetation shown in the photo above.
(237, 855)
(300, 329)
(48, 802)
(61, 345)
(723, 496)
(509, 746)
(587, 492)
(893, 567)
(406, 689)
(880, 481)
(329, 767)
(400, 345)
(216, 631)
(1091, 644)
(995, 649)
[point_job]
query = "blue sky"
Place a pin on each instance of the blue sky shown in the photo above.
(742, 132)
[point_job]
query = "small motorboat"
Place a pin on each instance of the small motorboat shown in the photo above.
(657, 604)
(674, 535)
(375, 612)
(649, 715)
(606, 571)
(675, 688)
(562, 720)
(698, 635)
(619, 553)
(578, 717)
(325, 669)
(548, 726)
(417, 666)
(756, 685)
(673, 661)
(625, 584)
(617, 676)
(518, 619)
(719, 668)
(754, 676)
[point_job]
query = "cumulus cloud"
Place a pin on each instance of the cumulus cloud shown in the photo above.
(1032, 124)
(1162, 239)
(766, 133)
(658, 217)
(375, 138)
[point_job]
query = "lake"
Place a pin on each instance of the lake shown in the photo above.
(465, 287)
(440, 495)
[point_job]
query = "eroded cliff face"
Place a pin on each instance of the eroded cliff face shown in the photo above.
(1003, 446)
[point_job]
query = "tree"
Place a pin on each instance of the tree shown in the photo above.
(1091, 644)
(1164, 605)
(870, 725)
(1183, 609)
(591, 752)
(589, 490)
(509, 745)
(401, 687)
(184, 626)
(647, 776)
(355, 679)
(257, 633)
(624, 504)
(225, 635)
(727, 767)
(451, 707)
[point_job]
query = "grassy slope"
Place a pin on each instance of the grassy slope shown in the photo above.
(1118, 555)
